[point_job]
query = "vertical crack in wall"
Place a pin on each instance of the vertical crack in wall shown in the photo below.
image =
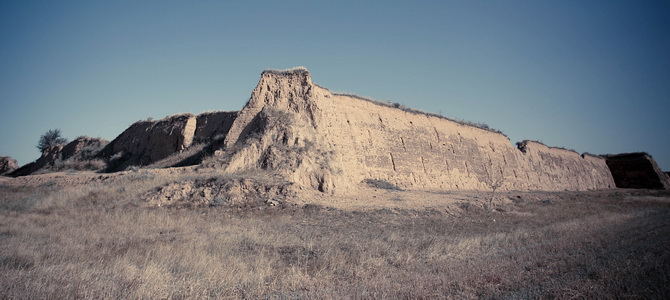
(403, 144)
(392, 161)
(370, 137)
(424, 165)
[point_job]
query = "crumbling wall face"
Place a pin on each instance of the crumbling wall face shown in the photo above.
(637, 171)
(413, 150)
(213, 126)
(149, 141)
(281, 143)
(405, 149)
(290, 91)
(601, 174)
(420, 151)
(561, 169)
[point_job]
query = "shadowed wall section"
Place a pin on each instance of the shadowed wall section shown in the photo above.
(146, 142)
(212, 126)
(637, 171)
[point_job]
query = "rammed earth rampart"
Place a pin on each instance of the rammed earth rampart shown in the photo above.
(332, 142)
(409, 149)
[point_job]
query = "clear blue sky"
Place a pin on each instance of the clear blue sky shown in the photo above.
(593, 76)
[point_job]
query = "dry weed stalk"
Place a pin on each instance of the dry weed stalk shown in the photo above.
(494, 179)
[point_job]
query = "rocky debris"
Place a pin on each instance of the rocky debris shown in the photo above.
(637, 171)
(7, 165)
(228, 191)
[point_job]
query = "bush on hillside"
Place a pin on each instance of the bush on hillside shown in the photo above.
(50, 139)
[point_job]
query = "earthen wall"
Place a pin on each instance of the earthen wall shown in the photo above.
(414, 150)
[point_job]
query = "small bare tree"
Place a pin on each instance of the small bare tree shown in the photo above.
(494, 179)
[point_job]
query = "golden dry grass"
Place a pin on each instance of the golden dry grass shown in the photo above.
(98, 241)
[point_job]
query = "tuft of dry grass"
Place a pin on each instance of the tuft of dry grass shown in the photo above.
(98, 241)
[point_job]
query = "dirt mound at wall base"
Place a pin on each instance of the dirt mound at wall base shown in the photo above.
(283, 144)
(247, 191)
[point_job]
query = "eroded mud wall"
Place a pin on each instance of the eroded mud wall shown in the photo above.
(415, 150)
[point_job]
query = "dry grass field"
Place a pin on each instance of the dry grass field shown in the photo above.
(99, 241)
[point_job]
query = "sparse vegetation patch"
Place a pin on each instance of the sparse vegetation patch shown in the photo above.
(101, 242)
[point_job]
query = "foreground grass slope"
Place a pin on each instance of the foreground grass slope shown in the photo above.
(100, 242)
